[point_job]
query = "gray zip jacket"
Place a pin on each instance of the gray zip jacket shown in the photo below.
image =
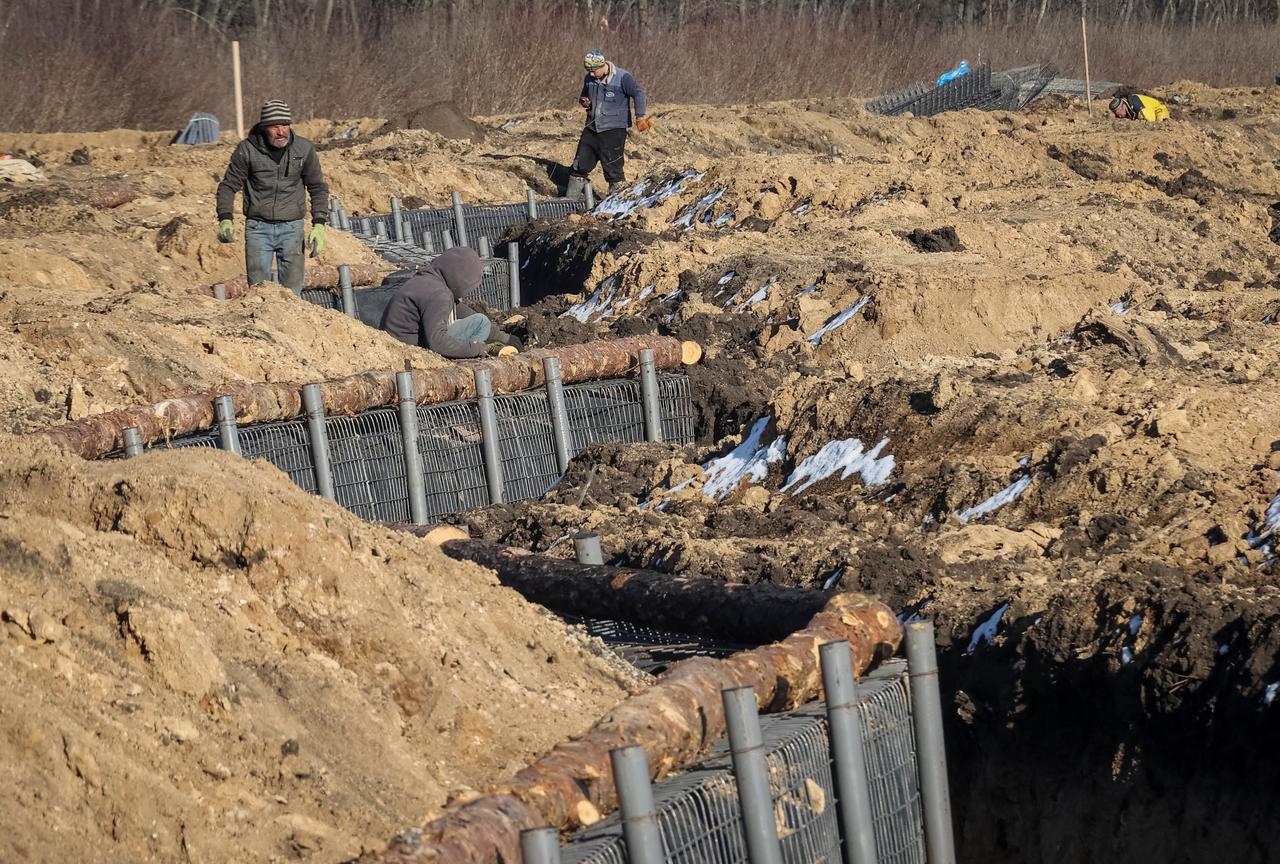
(611, 98)
(423, 308)
(274, 191)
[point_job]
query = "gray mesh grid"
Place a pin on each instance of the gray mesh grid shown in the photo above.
(528, 449)
(452, 460)
(325, 297)
(650, 649)
(698, 811)
(205, 440)
(1005, 91)
(481, 220)
(284, 445)
(366, 453)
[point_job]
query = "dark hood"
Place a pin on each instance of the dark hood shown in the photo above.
(461, 270)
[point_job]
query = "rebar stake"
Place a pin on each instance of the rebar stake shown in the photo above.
(313, 405)
(224, 410)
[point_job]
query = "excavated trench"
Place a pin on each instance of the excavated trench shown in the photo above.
(1125, 716)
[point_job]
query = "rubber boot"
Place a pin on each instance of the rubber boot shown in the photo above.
(577, 188)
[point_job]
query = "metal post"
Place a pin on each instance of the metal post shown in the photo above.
(649, 397)
(348, 293)
(559, 413)
(428, 242)
(446, 239)
(586, 545)
(132, 441)
(412, 456)
(313, 404)
(540, 846)
(845, 730)
(224, 410)
(489, 434)
(220, 291)
(380, 229)
(364, 226)
(406, 230)
(483, 247)
(533, 206)
(396, 227)
(591, 196)
(926, 712)
(635, 800)
(751, 773)
(513, 273)
(459, 219)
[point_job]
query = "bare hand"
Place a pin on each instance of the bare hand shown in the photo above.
(585, 102)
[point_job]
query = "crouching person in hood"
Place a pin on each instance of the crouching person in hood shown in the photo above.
(428, 310)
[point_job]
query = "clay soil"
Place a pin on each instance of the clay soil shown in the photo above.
(202, 662)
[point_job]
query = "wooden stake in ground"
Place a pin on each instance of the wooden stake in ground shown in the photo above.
(235, 73)
(1088, 91)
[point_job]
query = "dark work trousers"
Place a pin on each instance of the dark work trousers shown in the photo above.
(603, 147)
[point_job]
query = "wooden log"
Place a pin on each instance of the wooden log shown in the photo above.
(674, 720)
(94, 437)
(315, 276)
(685, 604)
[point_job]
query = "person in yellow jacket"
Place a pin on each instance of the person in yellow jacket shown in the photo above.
(1135, 106)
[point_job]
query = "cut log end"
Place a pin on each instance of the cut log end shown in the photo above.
(441, 534)
(690, 352)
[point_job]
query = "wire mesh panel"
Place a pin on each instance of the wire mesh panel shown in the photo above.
(348, 466)
(602, 412)
(675, 401)
(650, 649)
(382, 448)
(700, 818)
(525, 441)
(286, 446)
(204, 439)
(325, 297)
(452, 459)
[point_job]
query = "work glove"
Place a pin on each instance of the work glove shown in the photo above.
(497, 349)
(644, 124)
(585, 102)
(316, 239)
(226, 231)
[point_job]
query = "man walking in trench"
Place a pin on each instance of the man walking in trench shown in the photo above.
(276, 170)
(607, 93)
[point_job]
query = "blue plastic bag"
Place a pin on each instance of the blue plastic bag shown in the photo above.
(953, 74)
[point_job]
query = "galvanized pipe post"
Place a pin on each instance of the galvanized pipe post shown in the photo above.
(844, 727)
(483, 247)
(649, 397)
(396, 227)
(591, 196)
(459, 219)
(446, 239)
(414, 477)
(406, 231)
(220, 291)
(513, 273)
(365, 228)
(533, 206)
(313, 405)
(559, 413)
(586, 546)
(380, 228)
(224, 410)
(540, 846)
(428, 242)
(751, 773)
(926, 713)
(132, 442)
(489, 434)
(635, 800)
(348, 292)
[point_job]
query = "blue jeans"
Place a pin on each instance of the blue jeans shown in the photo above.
(473, 328)
(278, 241)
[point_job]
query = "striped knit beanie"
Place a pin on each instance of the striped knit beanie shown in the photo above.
(275, 113)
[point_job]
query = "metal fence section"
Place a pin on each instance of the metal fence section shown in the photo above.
(494, 291)
(648, 648)
(700, 818)
(980, 88)
(491, 221)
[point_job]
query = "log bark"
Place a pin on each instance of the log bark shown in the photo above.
(316, 276)
(675, 720)
(94, 437)
(685, 604)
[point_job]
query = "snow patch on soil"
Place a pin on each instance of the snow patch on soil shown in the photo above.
(846, 456)
(750, 460)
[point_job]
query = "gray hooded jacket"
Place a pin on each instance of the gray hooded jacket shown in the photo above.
(275, 183)
(420, 312)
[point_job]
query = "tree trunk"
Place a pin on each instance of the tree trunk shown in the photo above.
(95, 437)
(674, 720)
(685, 604)
(316, 276)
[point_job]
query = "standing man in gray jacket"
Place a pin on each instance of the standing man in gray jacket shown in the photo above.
(277, 170)
(607, 93)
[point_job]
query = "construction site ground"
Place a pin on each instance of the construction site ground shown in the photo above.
(1060, 371)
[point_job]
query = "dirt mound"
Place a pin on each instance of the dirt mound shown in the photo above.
(443, 118)
(201, 661)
